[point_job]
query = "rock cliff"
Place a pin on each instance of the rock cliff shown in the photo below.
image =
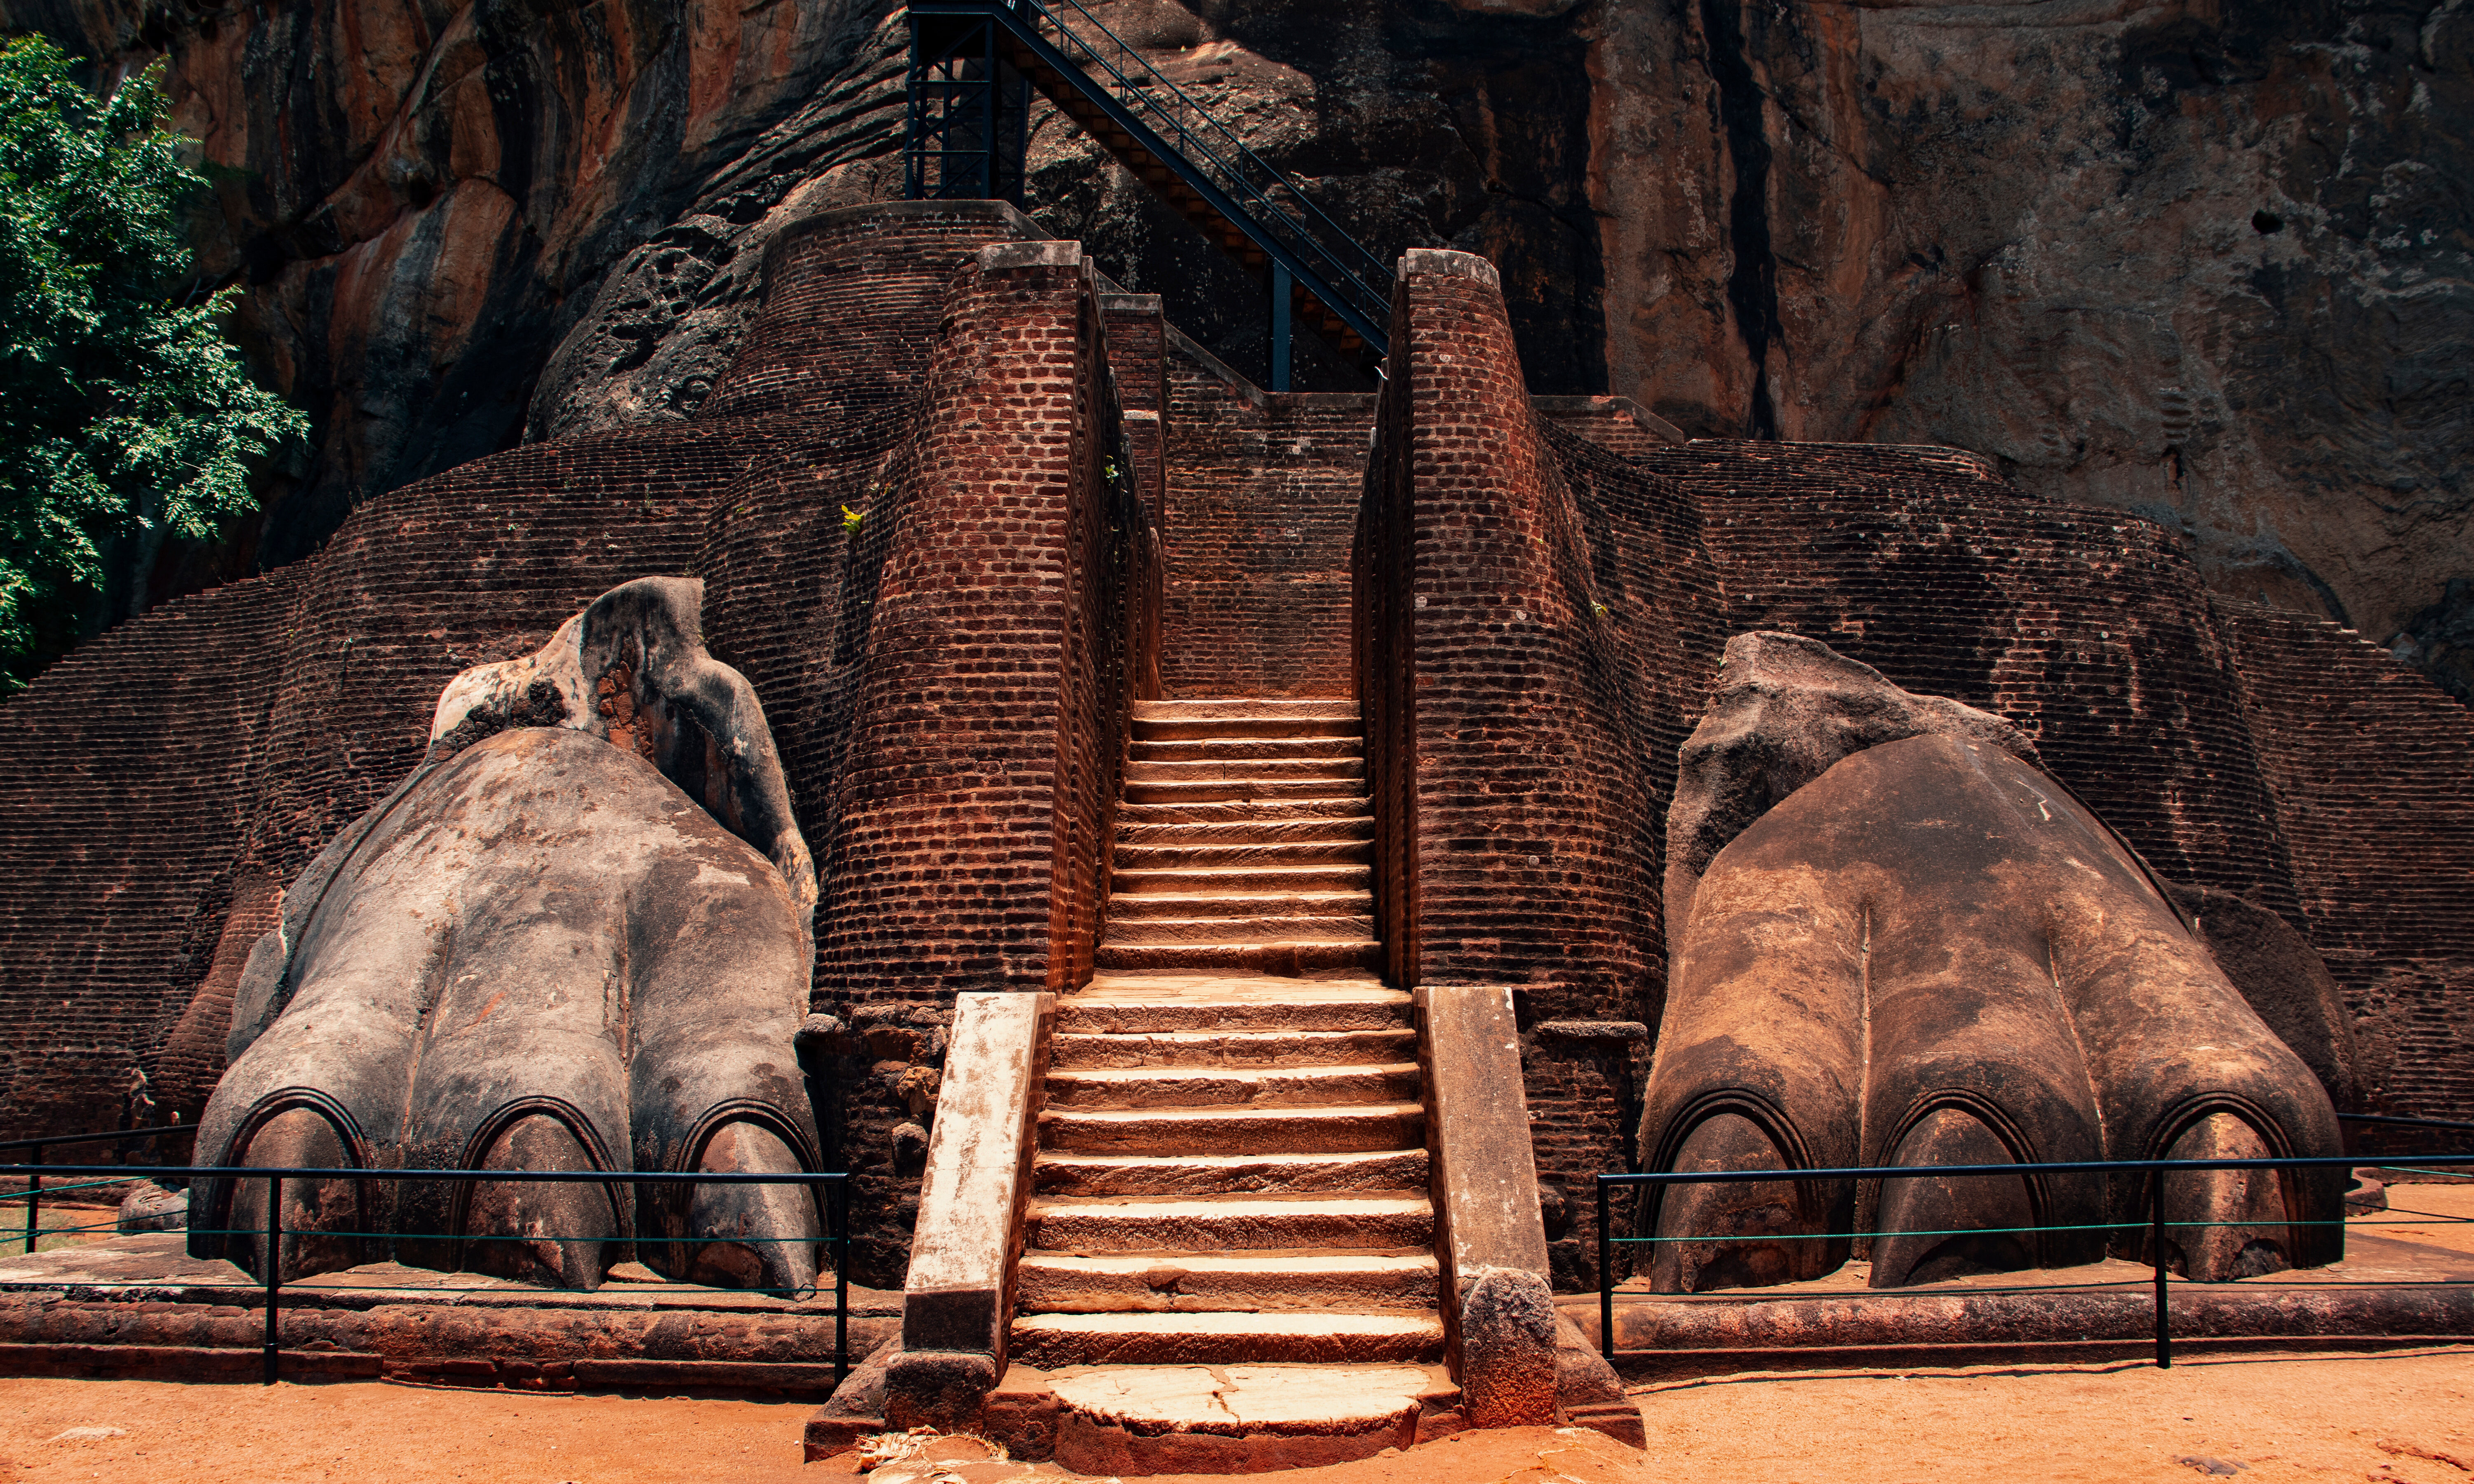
(2207, 260)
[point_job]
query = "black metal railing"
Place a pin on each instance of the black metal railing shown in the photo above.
(32, 1194)
(1300, 239)
(270, 1260)
(2157, 1224)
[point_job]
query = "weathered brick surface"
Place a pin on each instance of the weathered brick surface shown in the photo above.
(945, 862)
(850, 311)
(1262, 496)
(1537, 620)
(1539, 624)
(121, 830)
(2373, 768)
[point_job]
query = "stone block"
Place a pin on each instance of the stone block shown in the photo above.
(1507, 1353)
(956, 1298)
(1022, 1413)
(1487, 1184)
(944, 1389)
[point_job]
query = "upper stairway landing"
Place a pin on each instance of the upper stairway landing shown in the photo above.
(1244, 841)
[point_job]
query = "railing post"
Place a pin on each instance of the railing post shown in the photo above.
(271, 1260)
(1606, 1281)
(1280, 293)
(2156, 1249)
(841, 1279)
(34, 1204)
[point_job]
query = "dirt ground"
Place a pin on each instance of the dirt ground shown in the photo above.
(2403, 1416)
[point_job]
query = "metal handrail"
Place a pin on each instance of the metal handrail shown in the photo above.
(2157, 1169)
(1370, 270)
(1361, 284)
(271, 1255)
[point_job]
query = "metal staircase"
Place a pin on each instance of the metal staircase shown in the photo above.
(969, 61)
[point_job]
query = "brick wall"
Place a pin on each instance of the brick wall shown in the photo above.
(1012, 615)
(850, 312)
(120, 836)
(1262, 495)
(2373, 769)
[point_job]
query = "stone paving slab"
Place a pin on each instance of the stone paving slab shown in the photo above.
(2408, 1273)
(141, 1306)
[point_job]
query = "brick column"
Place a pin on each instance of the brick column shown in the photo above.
(946, 863)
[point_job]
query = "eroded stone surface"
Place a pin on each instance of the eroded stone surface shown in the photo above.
(1233, 1400)
(1782, 709)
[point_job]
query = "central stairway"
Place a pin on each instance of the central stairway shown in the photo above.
(1232, 1170)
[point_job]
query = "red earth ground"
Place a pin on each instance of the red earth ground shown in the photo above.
(2403, 1416)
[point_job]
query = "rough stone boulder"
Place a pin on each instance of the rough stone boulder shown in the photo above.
(1782, 709)
(2285, 980)
(542, 953)
(1933, 955)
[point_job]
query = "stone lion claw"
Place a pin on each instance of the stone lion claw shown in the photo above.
(576, 939)
(1931, 954)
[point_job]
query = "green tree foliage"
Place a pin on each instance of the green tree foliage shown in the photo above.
(121, 408)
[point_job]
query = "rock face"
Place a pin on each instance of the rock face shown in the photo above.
(2198, 261)
(1933, 955)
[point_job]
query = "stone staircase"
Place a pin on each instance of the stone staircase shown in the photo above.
(1232, 1162)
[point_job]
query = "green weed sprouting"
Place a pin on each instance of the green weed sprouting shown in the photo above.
(851, 519)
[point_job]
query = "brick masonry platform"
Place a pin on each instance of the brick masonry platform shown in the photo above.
(140, 1307)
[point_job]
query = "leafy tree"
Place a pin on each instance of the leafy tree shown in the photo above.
(121, 408)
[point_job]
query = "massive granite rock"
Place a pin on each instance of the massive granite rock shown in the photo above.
(2200, 261)
(541, 953)
(1933, 955)
(1782, 709)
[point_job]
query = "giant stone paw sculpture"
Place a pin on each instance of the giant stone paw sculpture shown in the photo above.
(576, 938)
(1926, 955)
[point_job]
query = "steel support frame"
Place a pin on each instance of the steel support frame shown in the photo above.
(968, 127)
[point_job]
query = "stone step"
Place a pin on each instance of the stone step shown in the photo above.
(1238, 707)
(1051, 1283)
(1392, 1221)
(1202, 881)
(1225, 1087)
(1272, 854)
(1281, 929)
(1175, 728)
(1170, 1002)
(1201, 749)
(1290, 956)
(1294, 1336)
(1347, 770)
(1340, 1128)
(1135, 906)
(1206, 811)
(1062, 1174)
(1234, 1048)
(1218, 790)
(1199, 1421)
(1158, 721)
(1242, 831)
